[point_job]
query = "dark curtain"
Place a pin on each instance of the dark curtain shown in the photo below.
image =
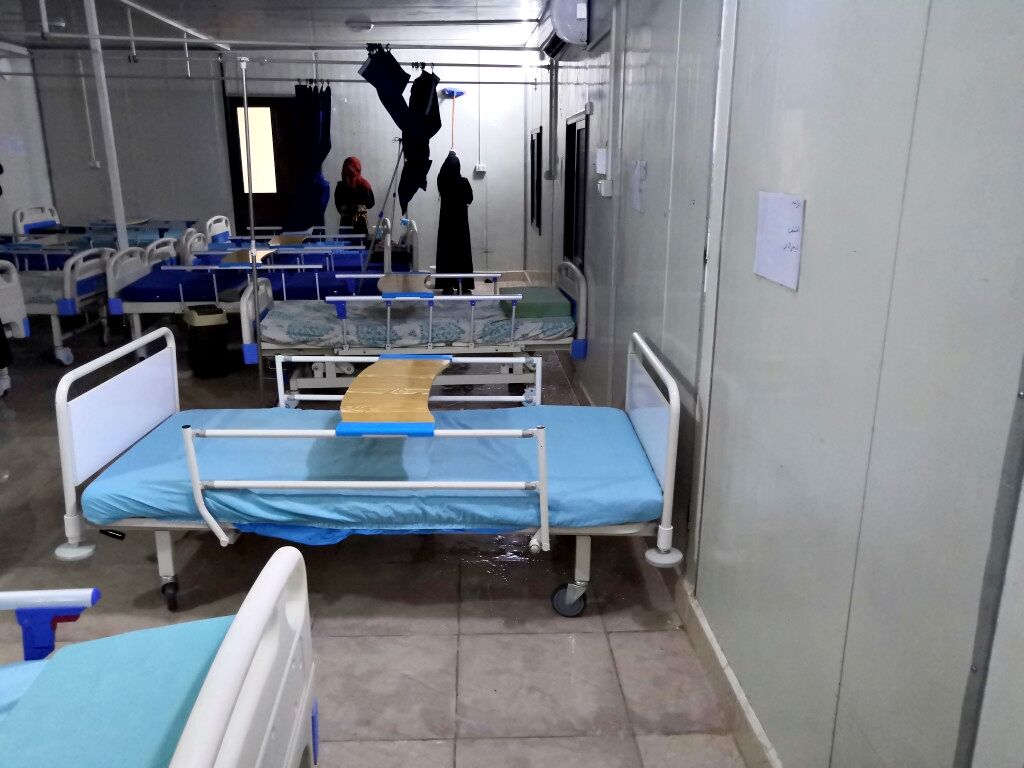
(454, 249)
(419, 119)
(312, 113)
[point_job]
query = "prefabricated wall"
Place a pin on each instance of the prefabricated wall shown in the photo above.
(858, 425)
(25, 180)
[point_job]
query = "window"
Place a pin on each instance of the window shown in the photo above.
(536, 176)
(575, 183)
(264, 172)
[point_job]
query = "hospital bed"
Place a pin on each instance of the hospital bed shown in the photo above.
(304, 476)
(30, 218)
(523, 320)
(232, 692)
(70, 286)
(13, 315)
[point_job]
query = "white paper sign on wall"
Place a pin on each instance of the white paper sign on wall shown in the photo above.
(780, 233)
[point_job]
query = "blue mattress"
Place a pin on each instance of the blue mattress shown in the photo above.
(163, 285)
(598, 475)
(119, 701)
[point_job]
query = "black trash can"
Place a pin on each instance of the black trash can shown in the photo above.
(207, 341)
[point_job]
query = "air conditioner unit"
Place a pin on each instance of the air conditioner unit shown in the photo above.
(564, 24)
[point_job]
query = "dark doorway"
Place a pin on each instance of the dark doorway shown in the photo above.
(536, 176)
(275, 161)
(575, 189)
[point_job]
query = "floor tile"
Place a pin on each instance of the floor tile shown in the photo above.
(563, 752)
(538, 685)
(697, 750)
(632, 594)
(387, 754)
(386, 687)
(666, 689)
(500, 597)
(400, 599)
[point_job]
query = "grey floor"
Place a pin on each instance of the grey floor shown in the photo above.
(431, 651)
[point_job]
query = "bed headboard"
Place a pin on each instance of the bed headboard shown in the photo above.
(570, 281)
(32, 217)
(653, 407)
(255, 708)
(101, 423)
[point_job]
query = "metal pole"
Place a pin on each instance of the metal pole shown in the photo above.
(243, 63)
(106, 122)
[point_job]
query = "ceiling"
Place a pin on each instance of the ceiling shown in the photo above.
(296, 21)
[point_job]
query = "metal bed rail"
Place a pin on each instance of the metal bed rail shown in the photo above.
(531, 396)
(541, 538)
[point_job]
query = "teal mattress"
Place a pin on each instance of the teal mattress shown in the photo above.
(598, 474)
(118, 702)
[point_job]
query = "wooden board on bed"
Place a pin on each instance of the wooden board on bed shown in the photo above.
(392, 390)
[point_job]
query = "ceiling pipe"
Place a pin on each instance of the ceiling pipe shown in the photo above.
(59, 54)
(256, 45)
(450, 22)
(229, 78)
(44, 20)
(168, 21)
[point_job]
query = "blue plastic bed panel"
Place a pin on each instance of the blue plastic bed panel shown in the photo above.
(578, 349)
(36, 226)
(118, 701)
(412, 356)
(67, 307)
(250, 354)
(115, 306)
(162, 285)
(598, 473)
(26, 328)
(409, 295)
(384, 429)
(341, 309)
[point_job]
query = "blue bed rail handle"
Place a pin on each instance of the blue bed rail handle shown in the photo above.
(412, 356)
(35, 226)
(407, 294)
(578, 349)
(341, 308)
(384, 429)
(39, 626)
(250, 354)
(67, 307)
(26, 328)
(115, 306)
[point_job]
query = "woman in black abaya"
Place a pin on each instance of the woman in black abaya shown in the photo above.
(454, 251)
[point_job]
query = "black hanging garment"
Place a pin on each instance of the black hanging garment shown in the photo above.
(454, 250)
(418, 120)
(424, 121)
(312, 112)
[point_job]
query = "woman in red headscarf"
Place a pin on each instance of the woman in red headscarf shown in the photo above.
(353, 196)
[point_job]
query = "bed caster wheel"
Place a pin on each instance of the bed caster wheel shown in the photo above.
(64, 356)
(170, 593)
(563, 608)
(290, 402)
(530, 396)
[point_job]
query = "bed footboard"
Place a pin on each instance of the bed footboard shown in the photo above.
(256, 708)
(98, 425)
(653, 407)
(12, 302)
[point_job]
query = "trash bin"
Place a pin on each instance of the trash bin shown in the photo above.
(207, 341)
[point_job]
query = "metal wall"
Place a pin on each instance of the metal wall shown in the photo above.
(169, 131)
(25, 179)
(858, 425)
(946, 398)
(644, 267)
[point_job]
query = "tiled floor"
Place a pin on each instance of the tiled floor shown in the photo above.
(431, 651)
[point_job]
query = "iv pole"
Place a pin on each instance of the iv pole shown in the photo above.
(243, 62)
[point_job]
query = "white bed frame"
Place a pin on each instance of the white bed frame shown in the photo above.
(331, 375)
(28, 215)
(84, 264)
(255, 708)
(100, 424)
(13, 317)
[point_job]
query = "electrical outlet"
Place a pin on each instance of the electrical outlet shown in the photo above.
(480, 168)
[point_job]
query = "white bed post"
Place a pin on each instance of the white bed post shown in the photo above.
(107, 122)
(664, 554)
(581, 576)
